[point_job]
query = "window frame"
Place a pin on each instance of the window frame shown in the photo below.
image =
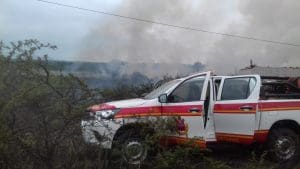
(216, 89)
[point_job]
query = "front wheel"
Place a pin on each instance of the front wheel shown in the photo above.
(283, 144)
(134, 151)
(130, 147)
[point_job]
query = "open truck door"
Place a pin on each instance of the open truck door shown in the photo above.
(186, 103)
(236, 107)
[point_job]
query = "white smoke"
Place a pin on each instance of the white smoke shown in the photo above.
(133, 41)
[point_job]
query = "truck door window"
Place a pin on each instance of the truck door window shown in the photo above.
(188, 91)
(238, 88)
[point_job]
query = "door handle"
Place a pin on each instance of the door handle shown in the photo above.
(246, 108)
(194, 109)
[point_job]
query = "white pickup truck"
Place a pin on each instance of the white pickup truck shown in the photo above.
(243, 109)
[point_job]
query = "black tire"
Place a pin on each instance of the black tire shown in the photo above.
(128, 148)
(283, 145)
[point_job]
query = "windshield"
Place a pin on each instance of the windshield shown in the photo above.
(162, 89)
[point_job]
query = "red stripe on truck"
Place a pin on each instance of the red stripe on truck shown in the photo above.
(234, 108)
(158, 111)
(259, 136)
(279, 106)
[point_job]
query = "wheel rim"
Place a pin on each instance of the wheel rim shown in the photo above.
(134, 152)
(285, 147)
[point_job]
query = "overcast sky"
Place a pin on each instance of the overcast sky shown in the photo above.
(87, 36)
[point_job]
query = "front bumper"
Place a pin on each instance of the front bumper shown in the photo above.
(100, 132)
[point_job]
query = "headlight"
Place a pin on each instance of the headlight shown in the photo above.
(106, 114)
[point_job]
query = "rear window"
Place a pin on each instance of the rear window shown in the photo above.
(238, 88)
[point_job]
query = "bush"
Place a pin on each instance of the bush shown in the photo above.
(40, 112)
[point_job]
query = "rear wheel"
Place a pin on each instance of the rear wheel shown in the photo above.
(283, 144)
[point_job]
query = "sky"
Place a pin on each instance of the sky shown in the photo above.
(87, 36)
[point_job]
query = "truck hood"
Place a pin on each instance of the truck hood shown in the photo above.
(117, 104)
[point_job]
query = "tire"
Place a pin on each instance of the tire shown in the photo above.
(129, 148)
(283, 145)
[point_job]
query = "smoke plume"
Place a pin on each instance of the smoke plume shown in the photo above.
(138, 42)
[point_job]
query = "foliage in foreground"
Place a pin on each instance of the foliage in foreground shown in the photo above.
(40, 112)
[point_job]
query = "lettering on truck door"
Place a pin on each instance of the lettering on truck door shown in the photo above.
(235, 109)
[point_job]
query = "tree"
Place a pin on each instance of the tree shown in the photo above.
(40, 112)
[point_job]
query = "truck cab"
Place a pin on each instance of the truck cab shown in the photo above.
(205, 109)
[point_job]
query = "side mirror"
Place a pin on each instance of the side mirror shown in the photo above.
(162, 98)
